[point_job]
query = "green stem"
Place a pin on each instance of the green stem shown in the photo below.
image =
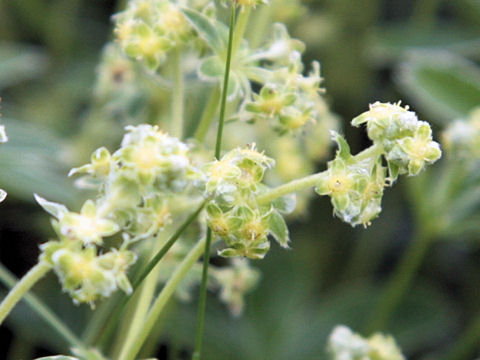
(468, 342)
(43, 311)
(203, 299)
(141, 308)
(178, 95)
(400, 281)
(106, 334)
(288, 188)
(208, 115)
(218, 148)
(22, 287)
(218, 145)
(311, 180)
(163, 298)
(371, 152)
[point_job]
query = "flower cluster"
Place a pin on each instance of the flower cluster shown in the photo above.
(3, 139)
(288, 100)
(354, 185)
(462, 138)
(135, 186)
(343, 344)
(407, 142)
(147, 30)
(233, 214)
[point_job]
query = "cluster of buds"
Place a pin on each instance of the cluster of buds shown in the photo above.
(3, 139)
(288, 99)
(407, 142)
(147, 30)
(354, 185)
(135, 186)
(343, 344)
(233, 182)
(462, 138)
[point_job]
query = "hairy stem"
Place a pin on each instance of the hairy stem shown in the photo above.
(311, 180)
(288, 188)
(163, 298)
(22, 287)
(177, 96)
(43, 311)
(400, 281)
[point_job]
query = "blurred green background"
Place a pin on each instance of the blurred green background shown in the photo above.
(425, 53)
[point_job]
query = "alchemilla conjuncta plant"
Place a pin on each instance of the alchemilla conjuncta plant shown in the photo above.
(164, 190)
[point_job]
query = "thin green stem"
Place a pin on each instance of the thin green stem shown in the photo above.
(288, 188)
(208, 115)
(203, 299)
(43, 311)
(141, 308)
(311, 180)
(226, 78)
(218, 148)
(467, 343)
(178, 95)
(371, 152)
(400, 281)
(22, 287)
(106, 334)
(164, 296)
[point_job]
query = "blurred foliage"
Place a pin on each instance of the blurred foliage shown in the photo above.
(426, 52)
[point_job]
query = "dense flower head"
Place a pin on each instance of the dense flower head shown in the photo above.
(354, 186)
(406, 141)
(288, 100)
(147, 30)
(136, 185)
(462, 138)
(233, 215)
(343, 344)
(86, 275)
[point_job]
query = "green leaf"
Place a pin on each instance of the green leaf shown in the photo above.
(278, 229)
(440, 83)
(30, 162)
(19, 62)
(211, 68)
(393, 42)
(58, 357)
(213, 32)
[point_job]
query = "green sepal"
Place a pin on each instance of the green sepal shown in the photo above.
(278, 229)
(54, 209)
(343, 151)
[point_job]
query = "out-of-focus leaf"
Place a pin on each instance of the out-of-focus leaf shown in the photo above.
(19, 62)
(57, 357)
(33, 161)
(213, 32)
(440, 83)
(393, 42)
